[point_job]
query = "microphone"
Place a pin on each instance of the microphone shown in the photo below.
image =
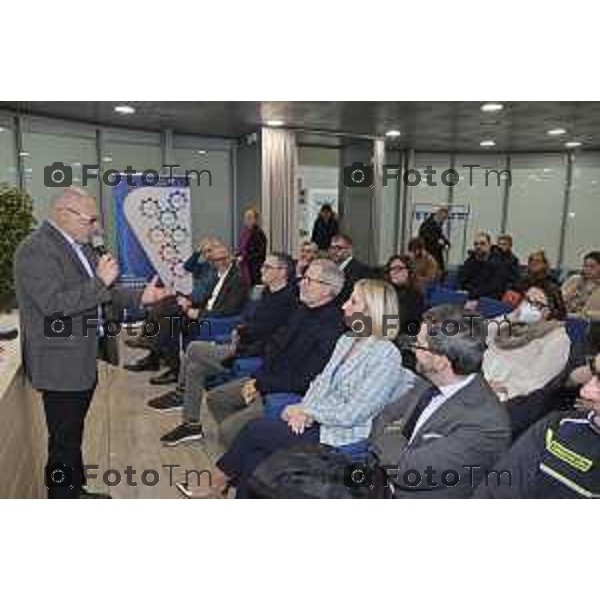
(97, 244)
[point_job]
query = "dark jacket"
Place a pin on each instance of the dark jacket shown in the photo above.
(353, 271)
(204, 278)
(512, 267)
(469, 428)
(571, 471)
(411, 303)
(272, 312)
(483, 278)
(324, 231)
(432, 234)
(295, 355)
(232, 296)
(254, 255)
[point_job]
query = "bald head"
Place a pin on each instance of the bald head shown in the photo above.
(76, 213)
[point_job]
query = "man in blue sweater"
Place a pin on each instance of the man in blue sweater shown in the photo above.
(203, 359)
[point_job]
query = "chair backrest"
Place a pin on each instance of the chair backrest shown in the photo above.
(442, 295)
(577, 330)
(490, 308)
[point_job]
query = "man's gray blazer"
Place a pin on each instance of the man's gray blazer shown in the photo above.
(49, 279)
(471, 428)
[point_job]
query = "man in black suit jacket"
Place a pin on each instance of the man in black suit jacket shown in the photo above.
(442, 435)
(341, 253)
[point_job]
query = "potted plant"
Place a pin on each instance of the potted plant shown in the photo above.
(16, 221)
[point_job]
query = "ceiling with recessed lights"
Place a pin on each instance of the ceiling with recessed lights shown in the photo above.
(425, 126)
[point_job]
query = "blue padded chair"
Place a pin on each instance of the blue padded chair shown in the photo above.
(490, 308)
(212, 329)
(275, 403)
(577, 330)
(246, 367)
(358, 451)
(442, 295)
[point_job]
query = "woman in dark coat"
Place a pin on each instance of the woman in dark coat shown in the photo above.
(325, 227)
(252, 249)
(399, 272)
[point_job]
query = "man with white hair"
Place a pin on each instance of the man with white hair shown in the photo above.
(62, 289)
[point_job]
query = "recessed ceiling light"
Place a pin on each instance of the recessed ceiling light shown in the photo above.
(491, 107)
(200, 151)
(123, 109)
(487, 143)
(573, 144)
(393, 133)
(275, 123)
(556, 131)
(23, 153)
(2, 129)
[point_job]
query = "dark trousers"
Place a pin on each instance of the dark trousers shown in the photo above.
(65, 419)
(258, 440)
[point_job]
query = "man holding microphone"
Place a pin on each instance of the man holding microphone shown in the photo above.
(63, 287)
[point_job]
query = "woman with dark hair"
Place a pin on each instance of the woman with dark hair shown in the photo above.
(582, 292)
(538, 274)
(325, 227)
(252, 248)
(530, 347)
(399, 271)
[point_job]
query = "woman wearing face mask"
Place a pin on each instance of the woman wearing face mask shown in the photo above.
(529, 347)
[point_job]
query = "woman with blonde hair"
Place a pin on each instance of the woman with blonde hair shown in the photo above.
(362, 376)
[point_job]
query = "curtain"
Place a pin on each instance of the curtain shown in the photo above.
(279, 203)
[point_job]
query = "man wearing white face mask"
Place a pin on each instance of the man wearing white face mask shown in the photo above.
(533, 350)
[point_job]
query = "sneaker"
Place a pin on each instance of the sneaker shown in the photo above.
(186, 432)
(169, 402)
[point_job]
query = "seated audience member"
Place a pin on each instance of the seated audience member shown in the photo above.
(325, 228)
(451, 418)
(308, 253)
(227, 298)
(203, 358)
(557, 457)
(411, 303)
(293, 356)
(529, 347)
(204, 273)
(340, 252)
(538, 274)
(426, 269)
(362, 376)
(483, 274)
(503, 250)
(582, 292)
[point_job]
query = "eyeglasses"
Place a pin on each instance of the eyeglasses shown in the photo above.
(338, 247)
(397, 269)
(413, 345)
(313, 280)
(89, 220)
(536, 303)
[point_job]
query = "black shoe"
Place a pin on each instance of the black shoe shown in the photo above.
(169, 402)
(148, 363)
(8, 334)
(87, 494)
(186, 432)
(166, 378)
